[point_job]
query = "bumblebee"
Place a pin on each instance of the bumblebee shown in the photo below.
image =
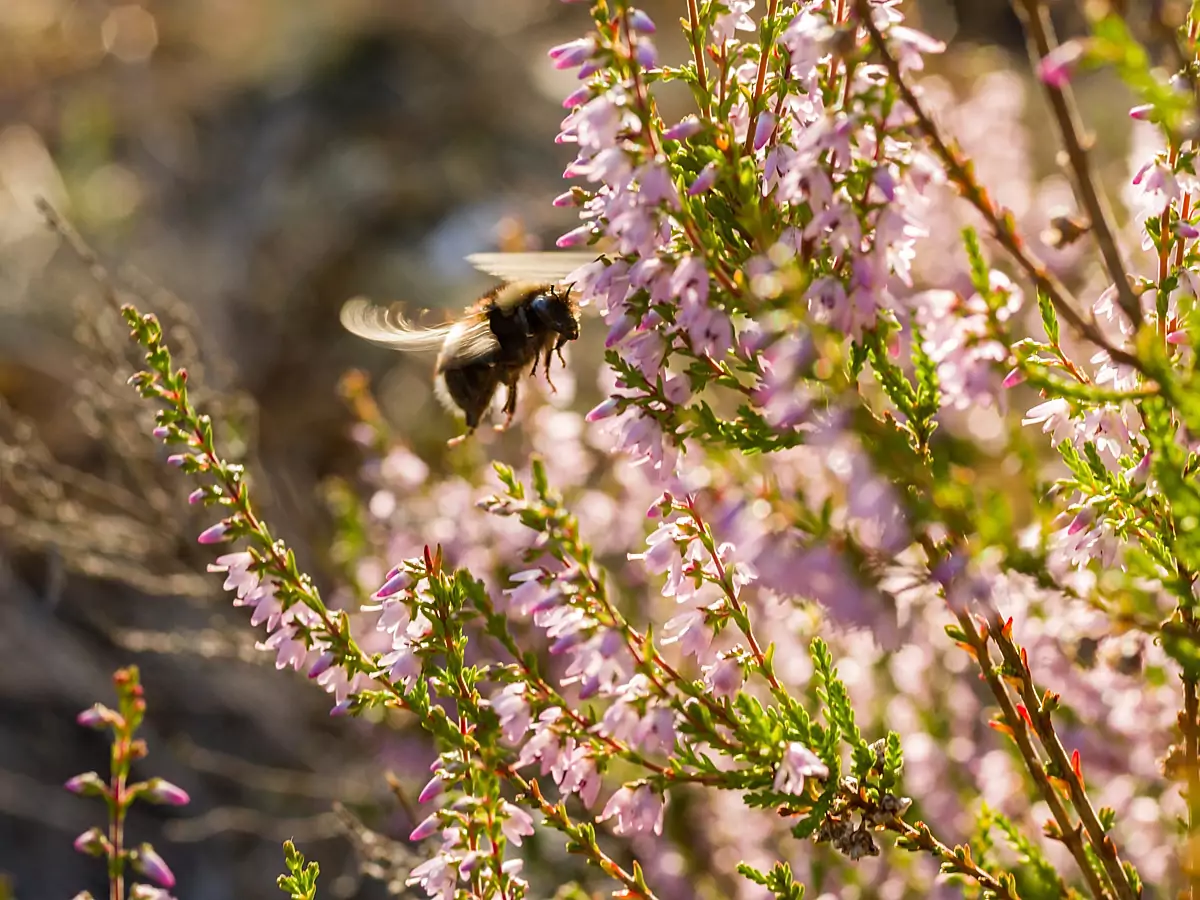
(510, 329)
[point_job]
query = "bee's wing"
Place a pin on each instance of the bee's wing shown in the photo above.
(537, 268)
(389, 328)
(469, 340)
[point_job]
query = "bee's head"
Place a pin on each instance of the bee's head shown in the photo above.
(556, 312)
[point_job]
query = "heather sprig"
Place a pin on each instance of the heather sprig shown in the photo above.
(119, 793)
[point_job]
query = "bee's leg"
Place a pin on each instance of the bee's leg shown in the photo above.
(510, 406)
(553, 389)
(455, 441)
(557, 349)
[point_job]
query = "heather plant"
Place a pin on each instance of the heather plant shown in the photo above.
(119, 792)
(854, 580)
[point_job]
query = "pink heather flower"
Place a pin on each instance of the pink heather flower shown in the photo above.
(1055, 418)
(438, 877)
(704, 181)
(908, 45)
(655, 733)
(797, 764)
(427, 826)
(162, 791)
(509, 704)
(178, 459)
(322, 665)
(639, 21)
(98, 717)
(573, 53)
(736, 19)
(89, 784)
(646, 54)
(432, 789)
(687, 127)
(724, 677)
(1143, 113)
(214, 534)
(1056, 68)
(92, 843)
(763, 129)
(1013, 378)
(150, 864)
(575, 237)
(197, 495)
(1138, 473)
(1177, 337)
(516, 822)
(1082, 521)
(603, 411)
(637, 810)
(578, 96)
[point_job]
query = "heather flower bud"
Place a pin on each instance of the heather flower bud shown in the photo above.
(639, 21)
(178, 459)
(603, 411)
(1057, 66)
(214, 534)
(1083, 520)
(1177, 337)
(324, 662)
(88, 784)
(393, 585)
(1143, 113)
(705, 180)
(763, 130)
(683, 129)
(425, 829)
(161, 791)
(572, 53)
(197, 495)
(161, 431)
(578, 96)
(150, 864)
(93, 843)
(1013, 378)
(1139, 473)
(646, 54)
(98, 717)
(432, 789)
(575, 237)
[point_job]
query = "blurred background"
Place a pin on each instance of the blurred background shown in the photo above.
(242, 167)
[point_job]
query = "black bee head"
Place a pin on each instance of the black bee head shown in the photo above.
(554, 310)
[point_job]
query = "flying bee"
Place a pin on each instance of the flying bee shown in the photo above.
(513, 327)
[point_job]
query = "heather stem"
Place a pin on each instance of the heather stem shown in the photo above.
(697, 36)
(1069, 832)
(1043, 727)
(1041, 39)
(764, 59)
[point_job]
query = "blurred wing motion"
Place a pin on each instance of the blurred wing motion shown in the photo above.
(550, 267)
(465, 341)
(389, 328)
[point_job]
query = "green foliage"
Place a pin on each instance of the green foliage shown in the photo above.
(778, 881)
(301, 881)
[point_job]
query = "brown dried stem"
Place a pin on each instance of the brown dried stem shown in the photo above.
(1070, 831)
(1041, 41)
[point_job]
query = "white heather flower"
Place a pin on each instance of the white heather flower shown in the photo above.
(1055, 418)
(797, 764)
(637, 810)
